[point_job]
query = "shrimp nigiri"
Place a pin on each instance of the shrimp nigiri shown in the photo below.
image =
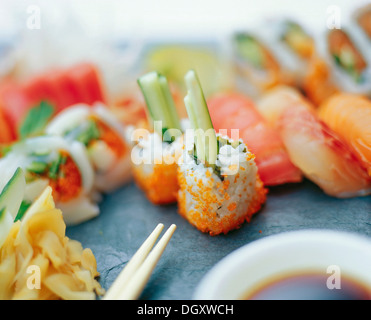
(236, 111)
(317, 150)
(349, 115)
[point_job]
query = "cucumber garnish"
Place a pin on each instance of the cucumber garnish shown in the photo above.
(159, 101)
(12, 195)
(11, 198)
(55, 166)
(199, 117)
(6, 223)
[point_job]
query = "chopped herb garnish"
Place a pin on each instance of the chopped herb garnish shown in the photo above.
(346, 61)
(90, 133)
(55, 166)
(37, 167)
(36, 120)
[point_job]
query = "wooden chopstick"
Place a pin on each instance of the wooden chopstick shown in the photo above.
(132, 279)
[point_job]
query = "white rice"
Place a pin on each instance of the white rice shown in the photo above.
(151, 150)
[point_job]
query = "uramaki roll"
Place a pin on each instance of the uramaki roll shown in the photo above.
(219, 184)
(154, 165)
(218, 201)
(155, 155)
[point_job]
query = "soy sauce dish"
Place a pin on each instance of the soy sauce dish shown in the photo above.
(295, 265)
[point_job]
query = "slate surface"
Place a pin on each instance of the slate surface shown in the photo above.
(127, 218)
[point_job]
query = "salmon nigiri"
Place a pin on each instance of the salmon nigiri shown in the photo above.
(349, 115)
(315, 148)
(236, 111)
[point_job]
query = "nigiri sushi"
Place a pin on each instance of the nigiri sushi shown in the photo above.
(349, 115)
(56, 162)
(313, 147)
(235, 111)
(219, 184)
(154, 156)
(276, 101)
(105, 139)
(37, 260)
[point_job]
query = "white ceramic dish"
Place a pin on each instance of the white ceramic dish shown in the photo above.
(290, 252)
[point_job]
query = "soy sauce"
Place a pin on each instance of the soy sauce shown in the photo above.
(310, 287)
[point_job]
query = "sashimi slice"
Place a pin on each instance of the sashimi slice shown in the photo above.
(349, 115)
(87, 83)
(235, 111)
(61, 88)
(14, 104)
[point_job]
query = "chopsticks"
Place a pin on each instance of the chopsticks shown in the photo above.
(132, 279)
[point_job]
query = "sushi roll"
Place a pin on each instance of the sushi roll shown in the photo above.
(155, 151)
(346, 57)
(63, 165)
(257, 67)
(105, 139)
(219, 184)
(297, 39)
(279, 55)
(342, 62)
(35, 243)
(299, 51)
(293, 45)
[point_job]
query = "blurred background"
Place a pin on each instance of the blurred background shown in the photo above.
(119, 35)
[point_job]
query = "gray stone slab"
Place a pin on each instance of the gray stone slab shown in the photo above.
(127, 218)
